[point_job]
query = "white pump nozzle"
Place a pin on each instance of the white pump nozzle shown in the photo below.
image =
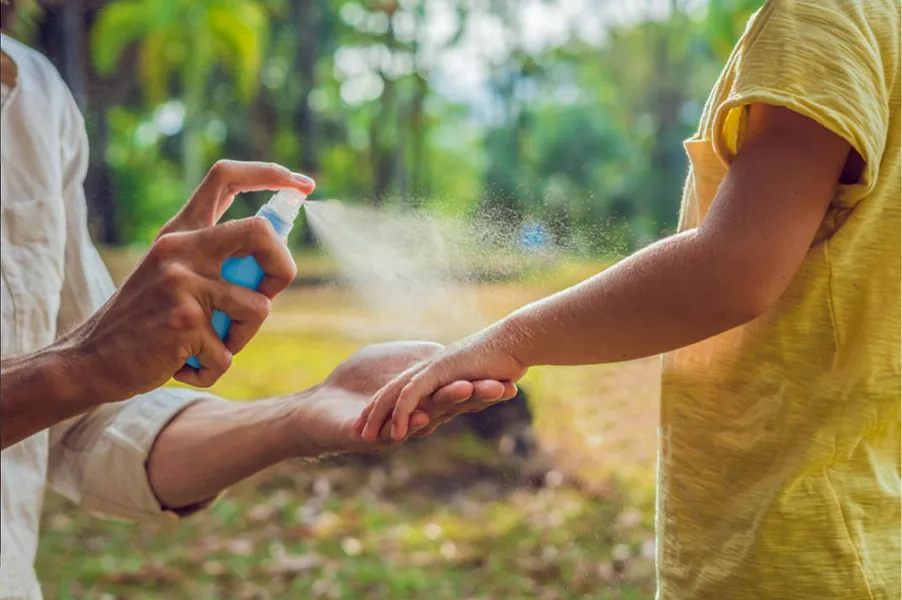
(287, 204)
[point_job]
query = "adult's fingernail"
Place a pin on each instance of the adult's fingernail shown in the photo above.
(301, 178)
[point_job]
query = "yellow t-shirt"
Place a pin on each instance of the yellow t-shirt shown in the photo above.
(779, 466)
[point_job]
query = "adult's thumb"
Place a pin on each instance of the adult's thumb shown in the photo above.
(223, 182)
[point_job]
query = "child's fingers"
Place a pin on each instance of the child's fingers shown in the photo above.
(423, 384)
(361, 420)
(380, 408)
(406, 404)
(364, 416)
(419, 420)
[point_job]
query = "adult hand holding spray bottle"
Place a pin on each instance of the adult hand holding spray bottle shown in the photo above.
(281, 211)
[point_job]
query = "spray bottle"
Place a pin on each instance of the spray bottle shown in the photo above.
(281, 211)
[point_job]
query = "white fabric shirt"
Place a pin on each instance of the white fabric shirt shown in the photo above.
(51, 280)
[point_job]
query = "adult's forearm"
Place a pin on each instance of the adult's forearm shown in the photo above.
(43, 388)
(213, 445)
(674, 293)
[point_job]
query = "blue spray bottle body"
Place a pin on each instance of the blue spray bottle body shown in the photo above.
(281, 211)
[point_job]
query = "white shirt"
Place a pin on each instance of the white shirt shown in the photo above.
(51, 280)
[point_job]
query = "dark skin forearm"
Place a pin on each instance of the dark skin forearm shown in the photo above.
(41, 389)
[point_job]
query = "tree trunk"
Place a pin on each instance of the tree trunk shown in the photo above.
(308, 24)
(62, 38)
(195, 84)
(667, 97)
(383, 154)
(418, 176)
(102, 194)
(73, 47)
(308, 19)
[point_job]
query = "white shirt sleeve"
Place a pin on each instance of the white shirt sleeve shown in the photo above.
(99, 459)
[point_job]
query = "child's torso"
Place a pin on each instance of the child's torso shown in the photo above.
(779, 464)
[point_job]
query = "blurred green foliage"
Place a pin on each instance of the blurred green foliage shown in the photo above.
(571, 116)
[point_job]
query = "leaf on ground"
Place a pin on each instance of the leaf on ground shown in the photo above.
(149, 574)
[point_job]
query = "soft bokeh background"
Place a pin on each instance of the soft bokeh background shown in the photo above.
(564, 117)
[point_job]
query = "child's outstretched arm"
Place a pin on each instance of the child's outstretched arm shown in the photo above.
(676, 292)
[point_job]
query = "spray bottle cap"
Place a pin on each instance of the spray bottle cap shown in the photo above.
(287, 204)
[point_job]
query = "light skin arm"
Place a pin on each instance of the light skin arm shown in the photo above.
(674, 293)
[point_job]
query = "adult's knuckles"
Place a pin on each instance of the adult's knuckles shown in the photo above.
(221, 171)
(276, 171)
(261, 306)
(280, 277)
(291, 268)
(175, 276)
(165, 247)
(187, 316)
(260, 232)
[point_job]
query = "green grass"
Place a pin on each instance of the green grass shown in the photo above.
(446, 518)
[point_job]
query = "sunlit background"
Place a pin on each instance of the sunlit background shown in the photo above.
(561, 115)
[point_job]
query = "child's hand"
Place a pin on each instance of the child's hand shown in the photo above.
(475, 358)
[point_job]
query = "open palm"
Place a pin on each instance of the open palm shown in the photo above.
(331, 408)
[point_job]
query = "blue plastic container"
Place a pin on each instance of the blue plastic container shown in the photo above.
(281, 210)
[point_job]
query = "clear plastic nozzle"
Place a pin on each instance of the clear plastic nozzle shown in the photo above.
(286, 204)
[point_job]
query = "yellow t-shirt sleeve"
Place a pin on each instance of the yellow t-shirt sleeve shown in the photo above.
(819, 58)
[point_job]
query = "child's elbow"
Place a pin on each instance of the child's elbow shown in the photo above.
(751, 296)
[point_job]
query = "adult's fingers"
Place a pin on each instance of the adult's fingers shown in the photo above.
(214, 358)
(244, 237)
(447, 399)
(247, 309)
(451, 394)
(418, 421)
(377, 412)
(489, 390)
(227, 178)
(510, 390)
(442, 408)
(420, 386)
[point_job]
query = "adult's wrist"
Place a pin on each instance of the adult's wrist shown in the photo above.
(296, 430)
(74, 374)
(92, 381)
(41, 389)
